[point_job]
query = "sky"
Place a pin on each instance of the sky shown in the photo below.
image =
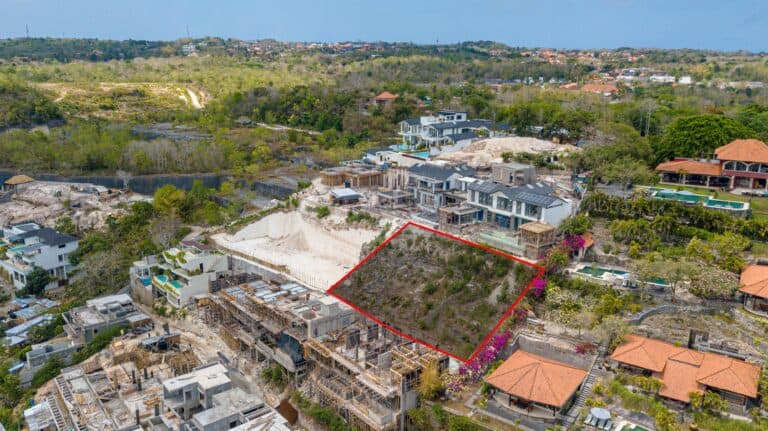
(704, 24)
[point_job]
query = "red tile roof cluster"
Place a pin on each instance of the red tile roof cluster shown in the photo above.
(745, 150)
(691, 167)
(684, 370)
(538, 379)
(754, 280)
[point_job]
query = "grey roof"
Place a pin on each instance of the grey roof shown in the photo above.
(374, 151)
(47, 236)
(412, 121)
(471, 124)
(462, 136)
(535, 194)
(439, 172)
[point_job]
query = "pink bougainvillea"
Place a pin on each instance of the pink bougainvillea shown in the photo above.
(474, 370)
(539, 287)
(574, 242)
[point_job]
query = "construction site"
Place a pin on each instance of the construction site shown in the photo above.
(88, 205)
(337, 357)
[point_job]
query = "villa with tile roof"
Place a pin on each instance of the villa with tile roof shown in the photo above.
(742, 163)
(754, 288)
(683, 370)
(535, 384)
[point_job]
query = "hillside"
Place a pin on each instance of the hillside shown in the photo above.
(439, 290)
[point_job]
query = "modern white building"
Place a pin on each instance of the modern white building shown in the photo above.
(445, 128)
(28, 245)
(179, 274)
(511, 207)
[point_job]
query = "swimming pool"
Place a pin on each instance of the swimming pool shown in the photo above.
(598, 272)
(684, 197)
(421, 154)
(729, 205)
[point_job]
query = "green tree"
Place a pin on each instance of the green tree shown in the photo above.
(66, 225)
(699, 136)
(430, 383)
(37, 279)
(168, 199)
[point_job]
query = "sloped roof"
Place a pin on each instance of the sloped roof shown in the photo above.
(645, 353)
(439, 172)
(691, 167)
(19, 179)
(754, 280)
(684, 370)
(600, 88)
(746, 150)
(537, 379)
(534, 194)
(47, 236)
(386, 95)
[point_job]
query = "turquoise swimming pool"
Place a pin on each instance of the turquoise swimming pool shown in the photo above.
(597, 272)
(421, 154)
(732, 205)
(684, 197)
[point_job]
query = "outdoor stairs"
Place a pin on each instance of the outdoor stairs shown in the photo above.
(61, 424)
(586, 389)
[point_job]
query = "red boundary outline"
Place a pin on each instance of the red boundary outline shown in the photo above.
(456, 238)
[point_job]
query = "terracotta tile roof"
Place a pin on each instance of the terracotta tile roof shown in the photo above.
(691, 167)
(754, 280)
(746, 150)
(684, 370)
(645, 353)
(537, 379)
(570, 86)
(729, 374)
(386, 95)
(679, 381)
(600, 88)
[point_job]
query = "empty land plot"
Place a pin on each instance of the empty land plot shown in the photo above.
(443, 292)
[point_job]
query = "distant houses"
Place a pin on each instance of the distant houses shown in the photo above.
(385, 99)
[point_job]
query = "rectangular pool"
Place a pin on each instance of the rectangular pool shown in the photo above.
(421, 154)
(598, 272)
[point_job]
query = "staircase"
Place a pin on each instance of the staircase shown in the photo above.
(586, 389)
(61, 424)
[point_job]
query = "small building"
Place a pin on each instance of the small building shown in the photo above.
(40, 418)
(17, 183)
(513, 173)
(18, 335)
(345, 196)
(754, 288)
(234, 408)
(537, 237)
(188, 394)
(385, 99)
(535, 386)
(394, 199)
(683, 371)
(352, 175)
(100, 314)
(604, 89)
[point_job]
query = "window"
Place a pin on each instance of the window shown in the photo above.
(62, 245)
(61, 258)
(503, 204)
(485, 199)
(532, 211)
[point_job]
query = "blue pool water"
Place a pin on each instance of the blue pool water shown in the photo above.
(421, 154)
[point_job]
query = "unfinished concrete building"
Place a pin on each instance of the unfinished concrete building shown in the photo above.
(270, 322)
(513, 173)
(100, 314)
(354, 175)
(536, 238)
(368, 375)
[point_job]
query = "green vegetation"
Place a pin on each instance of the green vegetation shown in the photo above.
(323, 416)
(37, 279)
(24, 106)
(99, 342)
(458, 292)
(275, 375)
